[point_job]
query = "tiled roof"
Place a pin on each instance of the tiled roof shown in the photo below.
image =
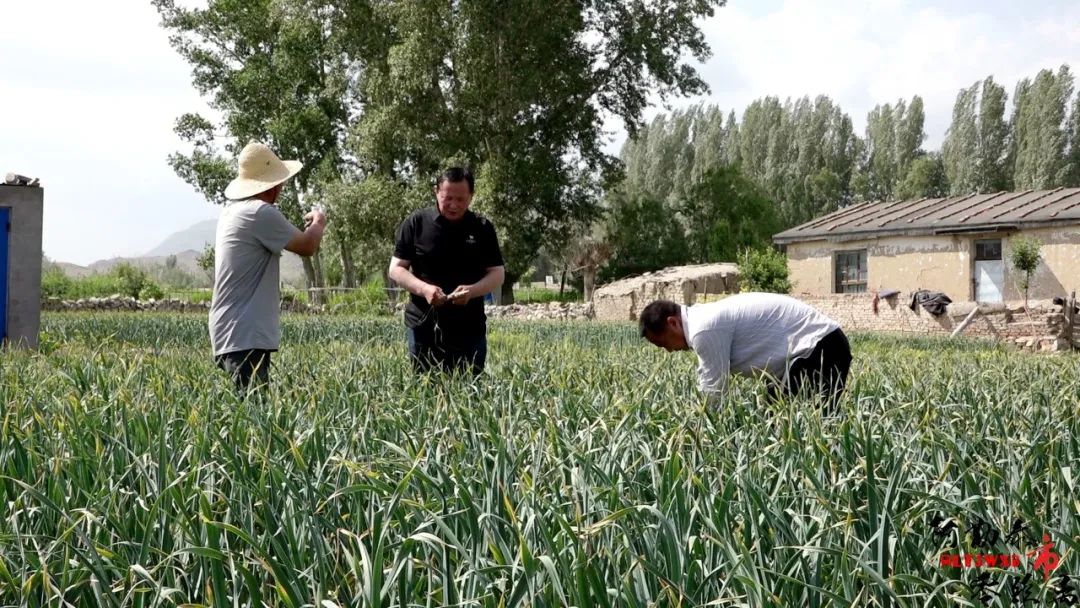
(970, 213)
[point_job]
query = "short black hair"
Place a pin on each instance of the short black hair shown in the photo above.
(455, 175)
(654, 317)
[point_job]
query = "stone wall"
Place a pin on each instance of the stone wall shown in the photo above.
(624, 299)
(118, 303)
(553, 311)
(1041, 326)
(562, 311)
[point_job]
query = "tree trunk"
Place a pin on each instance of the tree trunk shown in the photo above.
(320, 280)
(562, 283)
(394, 293)
(309, 272)
(313, 274)
(312, 268)
(348, 268)
(589, 275)
(507, 291)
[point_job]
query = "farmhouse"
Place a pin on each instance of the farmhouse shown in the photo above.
(959, 246)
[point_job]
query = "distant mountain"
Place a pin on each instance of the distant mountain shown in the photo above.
(187, 245)
(73, 270)
(195, 238)
(188, 261)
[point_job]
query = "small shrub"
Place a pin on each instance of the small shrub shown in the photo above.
(543, 295)
(151, 291)
(130, 279)
(55, 284)
(764, 269)
(95, 286)
(294, 295)
(199, 296)
(368, 300)
(1025, 260)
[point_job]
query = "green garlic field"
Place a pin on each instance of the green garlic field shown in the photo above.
(583, 469)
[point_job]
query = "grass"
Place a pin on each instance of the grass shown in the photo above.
(193, 295)
(582, 470)
(544, 295)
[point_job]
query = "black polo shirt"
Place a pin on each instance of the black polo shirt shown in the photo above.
(448, 254)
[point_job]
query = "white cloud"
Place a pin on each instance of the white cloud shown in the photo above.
(89, 96)
(90, 90)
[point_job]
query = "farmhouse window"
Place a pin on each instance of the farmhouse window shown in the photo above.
(988, 250)
(850, 271)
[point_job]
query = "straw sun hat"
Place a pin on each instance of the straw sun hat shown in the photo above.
(260, 170)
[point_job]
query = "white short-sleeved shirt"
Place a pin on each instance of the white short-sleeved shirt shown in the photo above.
(246, 307)
(751, 333)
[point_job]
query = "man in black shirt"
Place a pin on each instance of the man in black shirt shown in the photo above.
(448, 258)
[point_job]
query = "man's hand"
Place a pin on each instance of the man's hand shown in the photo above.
(434, 295)
(461, 295)
(315, 217)
(306, 243)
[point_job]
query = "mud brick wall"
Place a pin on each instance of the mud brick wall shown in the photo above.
(1040, 326)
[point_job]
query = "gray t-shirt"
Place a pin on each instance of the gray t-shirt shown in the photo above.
(246, 307)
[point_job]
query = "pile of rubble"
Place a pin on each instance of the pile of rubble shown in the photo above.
(557, 311)
(624, 299)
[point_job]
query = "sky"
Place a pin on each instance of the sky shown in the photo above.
(90, 91)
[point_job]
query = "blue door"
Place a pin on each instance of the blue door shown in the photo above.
(5, 232)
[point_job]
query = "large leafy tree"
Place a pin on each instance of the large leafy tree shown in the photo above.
(894, 136)
(822, 161)
(1039, 135)
(993, 134)
(366, 213)
(521, 95)
(960, 148)
(726, 213)
(272, 70)
(974, 150)
(801, 153)
(764, 126)
(1074, 145)
(643, 234)
(925, 178)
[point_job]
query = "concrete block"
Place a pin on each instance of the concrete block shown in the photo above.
(24, 263)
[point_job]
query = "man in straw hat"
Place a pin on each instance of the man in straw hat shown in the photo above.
(251, 233)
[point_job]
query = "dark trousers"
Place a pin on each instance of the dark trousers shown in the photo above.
(247, 368)
(824, 371)
(433, 350)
